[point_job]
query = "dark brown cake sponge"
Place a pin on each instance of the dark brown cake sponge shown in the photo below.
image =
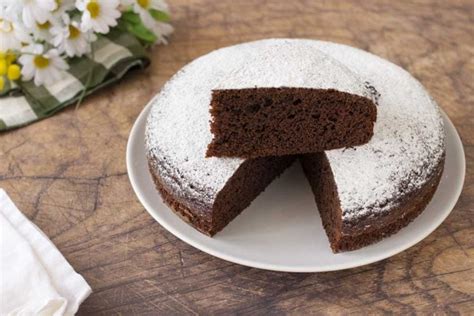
(346, 235)
(250, 179)
(259, 122)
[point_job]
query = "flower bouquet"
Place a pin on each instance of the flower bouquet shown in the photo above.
(54, 52)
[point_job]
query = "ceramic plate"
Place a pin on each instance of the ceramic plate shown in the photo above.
(282, 230)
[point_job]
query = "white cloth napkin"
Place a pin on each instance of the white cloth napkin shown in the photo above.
(35, 278)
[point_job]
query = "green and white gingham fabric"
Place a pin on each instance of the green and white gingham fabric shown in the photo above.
(113, 56)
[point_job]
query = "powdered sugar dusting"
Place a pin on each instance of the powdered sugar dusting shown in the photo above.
(178, 129)
(408, 138)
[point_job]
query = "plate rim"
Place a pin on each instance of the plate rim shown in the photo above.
(284, 268)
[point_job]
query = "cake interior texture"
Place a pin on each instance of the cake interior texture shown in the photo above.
(345, 234)
(250, 179)
(258, 122)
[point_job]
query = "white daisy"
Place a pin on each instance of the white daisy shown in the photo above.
(41, 31)
(63, 6)
(71, 39)
(44, 67)
(32, 11)
(143, 7)
(12, 34)
(98, 15)
(162, 31)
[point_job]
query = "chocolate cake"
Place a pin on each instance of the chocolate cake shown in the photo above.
(346, 232)
(259, 122)
(247, 182)
(364, 193)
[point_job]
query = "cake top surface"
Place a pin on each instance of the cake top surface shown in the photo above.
(407, 145)
(178, 129)
(408, 136)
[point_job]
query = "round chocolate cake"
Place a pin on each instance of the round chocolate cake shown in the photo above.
(363, 193)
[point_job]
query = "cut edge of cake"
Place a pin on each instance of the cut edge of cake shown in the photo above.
(348, 235)
(249, 180)
(259, 122)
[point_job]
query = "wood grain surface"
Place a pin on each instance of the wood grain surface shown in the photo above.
(68, 175)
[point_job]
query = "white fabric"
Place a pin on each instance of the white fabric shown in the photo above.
(65, 88)
(35, 279)
(16, 110)
(110, 54)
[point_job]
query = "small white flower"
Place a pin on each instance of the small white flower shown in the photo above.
(140, 6)
(32, 11)
(98, 15)
(162, 30)
(71, 39)
(12, 34)
(42, 31)
(143, 7)
(44, 67)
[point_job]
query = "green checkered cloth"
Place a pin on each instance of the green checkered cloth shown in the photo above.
(113, 56)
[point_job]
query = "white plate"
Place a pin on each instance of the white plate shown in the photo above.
(282, 230)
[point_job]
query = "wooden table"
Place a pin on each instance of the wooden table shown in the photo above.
(67, 173)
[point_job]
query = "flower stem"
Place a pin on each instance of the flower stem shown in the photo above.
(88, 82)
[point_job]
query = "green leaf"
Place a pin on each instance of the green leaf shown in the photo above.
(131, 17)
(159, 15)
(141, 32)
(131, 22)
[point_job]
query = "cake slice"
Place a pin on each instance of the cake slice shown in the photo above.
(240, 189)
(256, 122)
(289, 101)
(350, 219)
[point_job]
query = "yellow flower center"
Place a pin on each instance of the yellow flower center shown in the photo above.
(14, 72)
(143, 3)
(94, 9)
(41, 61)
(3, 66)
(74, 32)
(44, 26)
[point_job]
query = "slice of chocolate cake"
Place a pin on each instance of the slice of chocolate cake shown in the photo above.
(258, 122)
(350, 227)
(248, 181)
